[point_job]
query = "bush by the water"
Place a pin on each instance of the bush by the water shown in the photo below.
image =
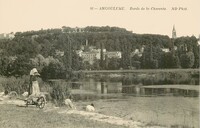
(157, 78)
(59, 91)
(18, 85)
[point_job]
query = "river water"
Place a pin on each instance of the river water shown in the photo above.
(170, 100)
(92, 88)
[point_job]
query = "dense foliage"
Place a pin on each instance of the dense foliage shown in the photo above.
(43, 49)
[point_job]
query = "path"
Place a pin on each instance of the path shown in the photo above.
(89, 115)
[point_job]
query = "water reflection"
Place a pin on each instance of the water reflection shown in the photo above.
(93, 87)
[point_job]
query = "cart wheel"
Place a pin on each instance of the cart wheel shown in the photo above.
(13, 95)
(41, 102)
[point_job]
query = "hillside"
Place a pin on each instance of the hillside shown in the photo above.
(56, 48)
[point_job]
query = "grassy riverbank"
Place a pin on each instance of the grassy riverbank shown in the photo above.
(172, 112)
(165, 111)
(12, 116)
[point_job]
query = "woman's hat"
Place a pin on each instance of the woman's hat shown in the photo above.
(34, 72)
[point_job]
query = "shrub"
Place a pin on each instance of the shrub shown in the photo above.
(59, 91)
(55, 70)
(19, 84)
(187, 60)
(160, 78)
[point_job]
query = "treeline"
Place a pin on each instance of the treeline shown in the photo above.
(43, 49)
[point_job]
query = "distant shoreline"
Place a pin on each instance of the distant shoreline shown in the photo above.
(137, 70)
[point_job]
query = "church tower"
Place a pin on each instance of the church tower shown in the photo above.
(173, 33)
(172, 40)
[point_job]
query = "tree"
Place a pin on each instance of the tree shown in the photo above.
(196, 56)
(4, 64)
(126, 50)
(185, 45)
(96, 65)
(102, 55)
(87, 65)
(187, 60)
(114, 64)
(55, 70)
(77, 63)
(151, 57)
(169, 60)
(19, 67)
(39, 61)
(136, 64)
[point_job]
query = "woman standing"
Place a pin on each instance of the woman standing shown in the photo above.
(34, 83)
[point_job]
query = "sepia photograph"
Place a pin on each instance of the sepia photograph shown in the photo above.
(99, 63)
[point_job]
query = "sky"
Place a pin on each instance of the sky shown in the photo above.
(27, 15)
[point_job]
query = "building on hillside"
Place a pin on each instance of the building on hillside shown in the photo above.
(91, 53)
(89, 57)
(174, 33)
(165, 49)
(79, 52)
(13, 58)
(175, 47)
(34, 36)
(59, 53)
(98, 53)
(72, 30)
(7, 36)
(174, 36)
(138, 52)
(95, 54)
(115, 54)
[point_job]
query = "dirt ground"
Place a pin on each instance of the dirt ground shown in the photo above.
(13, 114)
(136, 112)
